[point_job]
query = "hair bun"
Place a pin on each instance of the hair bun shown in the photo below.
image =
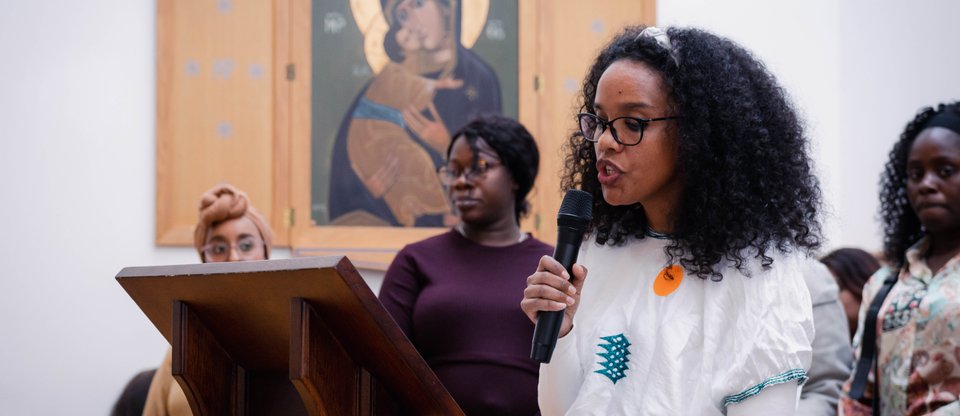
(221, 203)
(226, 202)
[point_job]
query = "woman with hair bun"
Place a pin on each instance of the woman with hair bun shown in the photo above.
(228, 229)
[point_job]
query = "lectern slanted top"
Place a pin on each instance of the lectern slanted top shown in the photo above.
(312, 317)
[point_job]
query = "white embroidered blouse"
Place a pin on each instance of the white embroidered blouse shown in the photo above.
(685, 346)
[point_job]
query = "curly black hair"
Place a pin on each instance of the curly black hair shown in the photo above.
(901, 226)
(742, 155)
(515, 147)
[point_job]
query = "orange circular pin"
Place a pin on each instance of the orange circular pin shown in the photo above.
(668, 280)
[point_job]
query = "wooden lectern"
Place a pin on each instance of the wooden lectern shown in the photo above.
(297, 336)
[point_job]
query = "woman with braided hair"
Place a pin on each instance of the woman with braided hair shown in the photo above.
(916, 367)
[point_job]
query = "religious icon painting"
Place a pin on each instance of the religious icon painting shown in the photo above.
(392, 79)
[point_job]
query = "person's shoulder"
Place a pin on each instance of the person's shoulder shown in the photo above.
(538, 244)
(875, 281)
(774, 262)
(423, 250)
(778, 278)
(820, 282)
(881, 274)
(431, 243)
(633, 251)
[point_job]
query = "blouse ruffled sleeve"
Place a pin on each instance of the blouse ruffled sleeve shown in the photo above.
(764, 327)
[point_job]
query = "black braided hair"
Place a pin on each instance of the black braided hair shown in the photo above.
(901, 226)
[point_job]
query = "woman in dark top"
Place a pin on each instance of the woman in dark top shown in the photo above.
(455, 295)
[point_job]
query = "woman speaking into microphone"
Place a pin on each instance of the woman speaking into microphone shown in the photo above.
(705, 208)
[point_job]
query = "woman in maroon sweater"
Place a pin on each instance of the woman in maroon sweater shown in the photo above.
(456, 295)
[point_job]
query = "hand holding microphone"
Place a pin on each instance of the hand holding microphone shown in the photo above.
(552, 296)
(549, 290)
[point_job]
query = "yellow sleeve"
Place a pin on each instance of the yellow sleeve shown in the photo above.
(165, 397)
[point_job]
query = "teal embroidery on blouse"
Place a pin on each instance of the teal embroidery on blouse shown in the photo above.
(615, 358)
(798, 374)
(649, 232)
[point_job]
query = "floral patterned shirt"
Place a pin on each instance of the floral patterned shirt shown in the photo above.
(919, 341)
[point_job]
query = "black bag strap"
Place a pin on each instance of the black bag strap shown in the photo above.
(868, 345)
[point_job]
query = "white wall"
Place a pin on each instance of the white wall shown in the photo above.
(897, 56)
(797, 42)
(77, 159)
(77, 175)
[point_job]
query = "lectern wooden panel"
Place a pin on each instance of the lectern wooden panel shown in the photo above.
(294, 336)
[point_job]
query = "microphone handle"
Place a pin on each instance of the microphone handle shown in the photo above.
(547, 330)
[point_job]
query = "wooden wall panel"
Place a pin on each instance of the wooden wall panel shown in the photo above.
(569, 35)
(215, 108)
(227, 112)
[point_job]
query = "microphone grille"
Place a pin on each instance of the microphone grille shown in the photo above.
(577, 203)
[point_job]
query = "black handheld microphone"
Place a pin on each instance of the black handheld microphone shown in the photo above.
(575, 214)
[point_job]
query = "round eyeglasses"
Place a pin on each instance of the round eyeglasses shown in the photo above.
(220, 250)
(449, 173)
(628, 131)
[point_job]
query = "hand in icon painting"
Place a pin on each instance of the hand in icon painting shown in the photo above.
(384, 178)
(433, 132)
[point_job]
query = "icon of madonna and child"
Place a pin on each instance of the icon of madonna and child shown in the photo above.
(394, 135)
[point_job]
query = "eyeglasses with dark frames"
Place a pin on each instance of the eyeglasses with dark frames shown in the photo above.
(449, 173)
(628, 131)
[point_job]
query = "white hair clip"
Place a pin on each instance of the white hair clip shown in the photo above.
(662, 39)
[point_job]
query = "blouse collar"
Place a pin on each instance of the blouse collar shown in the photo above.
(649, 232)
(917, 263)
